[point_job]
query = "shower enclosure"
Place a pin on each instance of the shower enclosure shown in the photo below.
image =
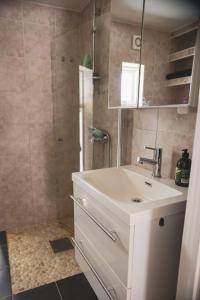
(40, 107)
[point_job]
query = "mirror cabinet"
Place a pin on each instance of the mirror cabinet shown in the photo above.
(153, 57)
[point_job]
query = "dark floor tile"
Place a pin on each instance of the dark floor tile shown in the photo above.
(5, 286)
(4, 262)
(61, 245)
(76, 288)
(3, 240)
(45, 292)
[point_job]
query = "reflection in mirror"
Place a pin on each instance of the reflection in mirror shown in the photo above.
(124, 56)
(169, 46)
(130, 82)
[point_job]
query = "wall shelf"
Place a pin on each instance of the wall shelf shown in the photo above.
(180, 55)
(185, 30)
(179, 81)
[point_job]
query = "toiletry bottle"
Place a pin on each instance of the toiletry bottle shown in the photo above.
(87, 61)
(183, 167)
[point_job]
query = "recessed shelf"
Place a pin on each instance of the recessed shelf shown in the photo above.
(179, 81)
(183, 54)
(185, 30)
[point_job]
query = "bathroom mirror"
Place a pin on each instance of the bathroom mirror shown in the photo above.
(124, 56)
(168, 61)
(153, 53)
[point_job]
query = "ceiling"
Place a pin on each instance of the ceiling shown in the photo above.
(75, 5)
(167, 15)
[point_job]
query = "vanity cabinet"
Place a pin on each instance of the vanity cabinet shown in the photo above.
(124, 261)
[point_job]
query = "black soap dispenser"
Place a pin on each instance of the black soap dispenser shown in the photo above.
(183, 167)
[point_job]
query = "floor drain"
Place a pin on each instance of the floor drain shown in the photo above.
(61, 245)
(136, 200)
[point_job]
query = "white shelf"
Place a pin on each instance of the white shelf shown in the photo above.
(183, 54)
(179, 81)
(185, 30)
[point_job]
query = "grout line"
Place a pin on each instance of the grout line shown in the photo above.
(58, 290)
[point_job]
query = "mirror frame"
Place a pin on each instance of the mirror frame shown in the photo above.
(194, 85)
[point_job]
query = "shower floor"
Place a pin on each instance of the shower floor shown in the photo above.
(32, 260)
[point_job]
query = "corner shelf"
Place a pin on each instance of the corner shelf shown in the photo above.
(179, 81)
(180, 55)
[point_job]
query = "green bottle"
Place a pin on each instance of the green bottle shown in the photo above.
(183, 168)
(87, 61)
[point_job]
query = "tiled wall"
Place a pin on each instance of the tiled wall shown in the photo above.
(38, 112)
(66, 105)
(162, 128)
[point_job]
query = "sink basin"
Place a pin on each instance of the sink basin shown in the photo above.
(123, 184)
(130, 192)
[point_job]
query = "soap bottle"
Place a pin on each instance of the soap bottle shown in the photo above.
(183, 167)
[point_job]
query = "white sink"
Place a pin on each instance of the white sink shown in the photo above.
(131, 191)
(123, 184)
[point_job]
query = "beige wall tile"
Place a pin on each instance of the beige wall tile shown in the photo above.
(13, 138)
(11, 9)
(66, 21)
(66, 46)
(14, 107)
(40, 108)
(15, 176)
(38, 75)
(170, 121)
(11, 37)
(37, 40)
(172, 144)
(126, 133)
(140, 139)
(12, 76)
(145, 119)
(38, 14)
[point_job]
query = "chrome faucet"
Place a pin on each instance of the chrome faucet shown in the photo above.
(156, 161)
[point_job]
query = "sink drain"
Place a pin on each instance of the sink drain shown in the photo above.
(136, 200)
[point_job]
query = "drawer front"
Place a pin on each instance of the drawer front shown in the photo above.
(104, 282)
(114, 247)
(103, 215)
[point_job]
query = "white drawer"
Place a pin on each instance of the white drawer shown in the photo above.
(115, 252)
(103, 280)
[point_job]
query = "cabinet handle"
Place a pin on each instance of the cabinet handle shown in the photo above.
(74, 242)
(111, 234)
